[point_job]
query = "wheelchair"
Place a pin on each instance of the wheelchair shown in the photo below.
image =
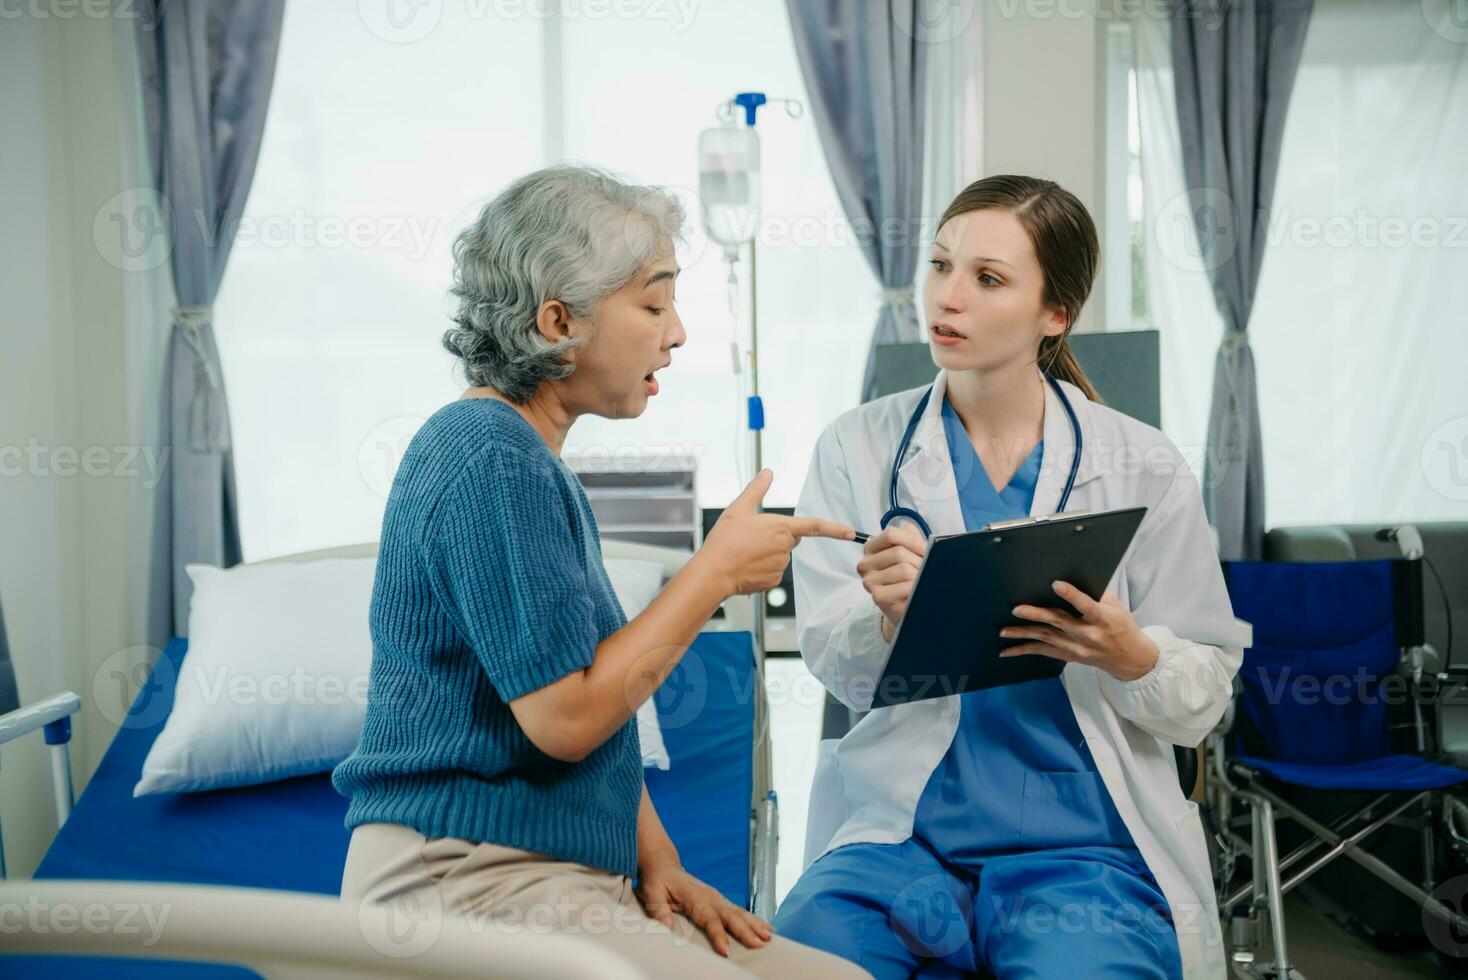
(1331, 703)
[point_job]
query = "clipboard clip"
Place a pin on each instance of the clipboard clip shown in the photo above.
(1026, 521)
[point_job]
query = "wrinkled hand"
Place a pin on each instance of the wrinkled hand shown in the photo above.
(1101, 633)
(749, 549)
(667, 889)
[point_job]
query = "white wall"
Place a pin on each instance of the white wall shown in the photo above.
(1044, 105)
(79, 349)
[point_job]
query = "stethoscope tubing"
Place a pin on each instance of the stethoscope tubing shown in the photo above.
(894, 511)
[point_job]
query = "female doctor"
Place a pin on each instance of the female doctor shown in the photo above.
(1036, 829)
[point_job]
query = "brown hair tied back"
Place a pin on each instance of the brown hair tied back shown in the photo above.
(1065, 242)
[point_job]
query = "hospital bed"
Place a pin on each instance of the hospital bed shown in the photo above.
(250, 875)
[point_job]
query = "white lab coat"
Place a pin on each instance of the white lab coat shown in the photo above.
(867, 787)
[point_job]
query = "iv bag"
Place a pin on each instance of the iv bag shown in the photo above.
(729, 184)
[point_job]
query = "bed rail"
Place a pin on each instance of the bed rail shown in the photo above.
(53, 717)
(285, 935)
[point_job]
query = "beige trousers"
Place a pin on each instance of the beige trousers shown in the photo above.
(501, 888)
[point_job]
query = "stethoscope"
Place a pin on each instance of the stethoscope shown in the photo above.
(894, 511)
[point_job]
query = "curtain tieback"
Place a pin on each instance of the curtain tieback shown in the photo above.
(897, 296)
(1233, 342)
(207, 431)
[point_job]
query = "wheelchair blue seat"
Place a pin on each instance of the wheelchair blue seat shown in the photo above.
(1384, 774)
(1320, 681)
(1323, 736)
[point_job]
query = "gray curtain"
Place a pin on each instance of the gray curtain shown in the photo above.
(207, 68)
(865, 67)
(1234, 63)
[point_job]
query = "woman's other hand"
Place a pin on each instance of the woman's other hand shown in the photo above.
(668, 889)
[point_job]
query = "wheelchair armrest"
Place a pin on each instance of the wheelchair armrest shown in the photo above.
(1424, 658)
(1453, 673)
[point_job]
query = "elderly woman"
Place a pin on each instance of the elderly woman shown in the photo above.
(499, 774)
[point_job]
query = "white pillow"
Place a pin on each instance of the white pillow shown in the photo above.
(275, 681)
(637, 583)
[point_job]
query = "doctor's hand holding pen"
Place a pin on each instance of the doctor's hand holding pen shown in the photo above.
(888, 570)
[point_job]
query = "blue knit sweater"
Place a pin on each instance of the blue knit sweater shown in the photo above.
(489, 585)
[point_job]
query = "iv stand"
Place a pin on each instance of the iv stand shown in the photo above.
(756, 416)
(765, 817)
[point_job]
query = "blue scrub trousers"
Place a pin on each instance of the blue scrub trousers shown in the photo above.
(900, 910)
(1019, 863)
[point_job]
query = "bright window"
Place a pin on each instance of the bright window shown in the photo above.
(1358, 346)
(381, 143)
(334, 296)
(1358, 320)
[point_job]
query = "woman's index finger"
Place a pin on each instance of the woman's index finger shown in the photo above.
(814, 527)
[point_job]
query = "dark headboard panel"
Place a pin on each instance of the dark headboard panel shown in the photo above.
(1123, 366)
(9, 695)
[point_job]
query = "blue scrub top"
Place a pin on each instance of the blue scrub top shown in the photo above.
(1018, 775)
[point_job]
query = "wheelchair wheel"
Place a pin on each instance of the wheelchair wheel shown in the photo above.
(1452, 966)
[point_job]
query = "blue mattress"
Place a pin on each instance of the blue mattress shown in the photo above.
(289, 834)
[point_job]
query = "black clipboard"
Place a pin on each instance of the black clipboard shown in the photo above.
(948, 641)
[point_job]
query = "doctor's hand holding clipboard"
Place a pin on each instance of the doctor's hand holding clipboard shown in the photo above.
(1101, 632)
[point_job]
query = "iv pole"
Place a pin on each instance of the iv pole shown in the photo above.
(755, 406)
(756, 413)
(764, 825)
(750, 102)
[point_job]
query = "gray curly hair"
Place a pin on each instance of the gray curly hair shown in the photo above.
(571, 233)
